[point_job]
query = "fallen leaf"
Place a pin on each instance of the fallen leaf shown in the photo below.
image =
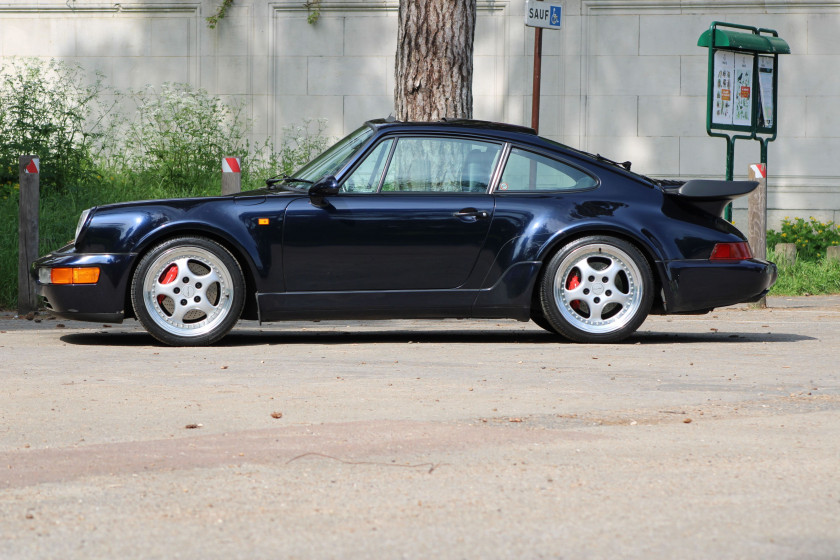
(277, 415)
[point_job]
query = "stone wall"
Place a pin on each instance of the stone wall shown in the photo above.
(623, 77)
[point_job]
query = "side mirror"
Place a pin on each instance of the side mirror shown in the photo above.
(325, 186)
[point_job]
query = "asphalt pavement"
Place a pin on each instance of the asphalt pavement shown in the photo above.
(712, 436)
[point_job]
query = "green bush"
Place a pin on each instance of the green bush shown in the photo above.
(177, 138)
(301, 143)
(812, 238)
(49, 109)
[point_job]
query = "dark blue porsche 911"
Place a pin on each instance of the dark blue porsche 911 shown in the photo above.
(416, 220)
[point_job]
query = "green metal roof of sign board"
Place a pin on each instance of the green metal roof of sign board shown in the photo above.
(750, 42)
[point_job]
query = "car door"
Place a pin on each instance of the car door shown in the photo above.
(413, 215)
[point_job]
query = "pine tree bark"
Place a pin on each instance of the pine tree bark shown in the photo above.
(434, 62)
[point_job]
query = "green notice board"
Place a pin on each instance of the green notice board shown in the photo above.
(742, 78)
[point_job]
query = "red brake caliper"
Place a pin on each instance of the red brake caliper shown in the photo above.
(167, 277)
(573, 283)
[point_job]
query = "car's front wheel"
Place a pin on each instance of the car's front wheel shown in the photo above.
(597, 289)
(188, 291)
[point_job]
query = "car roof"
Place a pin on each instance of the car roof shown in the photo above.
(451, 124)
(502, 131)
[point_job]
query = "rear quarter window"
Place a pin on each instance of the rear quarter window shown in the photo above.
(531, 172)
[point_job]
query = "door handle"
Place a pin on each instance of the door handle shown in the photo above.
(472, 213)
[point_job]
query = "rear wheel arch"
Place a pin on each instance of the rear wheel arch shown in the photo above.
(560, 241)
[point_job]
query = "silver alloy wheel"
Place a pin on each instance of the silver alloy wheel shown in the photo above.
(187, 291)
(598, 288)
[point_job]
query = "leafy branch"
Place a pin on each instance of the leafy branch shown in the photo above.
(213, 20)
(314, 7)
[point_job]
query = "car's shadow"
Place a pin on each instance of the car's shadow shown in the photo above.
(245, 337)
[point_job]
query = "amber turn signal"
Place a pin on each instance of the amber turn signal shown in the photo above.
(81, 275)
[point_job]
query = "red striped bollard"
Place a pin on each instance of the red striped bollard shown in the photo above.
(231, 176)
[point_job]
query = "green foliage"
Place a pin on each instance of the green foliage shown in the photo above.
(213, 20)
(806, 277)
(177, 139)
(314, 7)
(49, 109)
(812, 237)
(301, 143)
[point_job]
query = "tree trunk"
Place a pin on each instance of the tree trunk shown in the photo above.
(434, 63)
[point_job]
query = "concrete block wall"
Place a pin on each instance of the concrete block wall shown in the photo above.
(623, 77)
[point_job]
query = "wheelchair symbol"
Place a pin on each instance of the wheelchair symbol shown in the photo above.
(555, 15)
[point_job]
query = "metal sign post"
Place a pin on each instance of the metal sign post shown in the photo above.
(742, 88)
(540, 15)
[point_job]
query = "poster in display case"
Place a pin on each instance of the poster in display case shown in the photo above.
(732, 88)
(766, 95)
(722, 87)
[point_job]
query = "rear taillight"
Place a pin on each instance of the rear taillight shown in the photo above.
(731, 252)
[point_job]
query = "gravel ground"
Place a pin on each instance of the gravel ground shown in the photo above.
(714, 436)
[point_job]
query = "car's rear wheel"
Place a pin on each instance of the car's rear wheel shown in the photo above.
(597, 289)
(188, 291)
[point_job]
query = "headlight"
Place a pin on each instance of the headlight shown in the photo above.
(82, 219)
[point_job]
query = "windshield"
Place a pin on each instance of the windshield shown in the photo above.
(331, 161)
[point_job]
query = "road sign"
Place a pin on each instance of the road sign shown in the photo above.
(548, 15)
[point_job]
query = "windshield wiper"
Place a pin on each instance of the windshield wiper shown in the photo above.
(283, 178)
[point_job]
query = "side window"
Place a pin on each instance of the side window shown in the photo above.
(365, 179)
(441, 165)
(530, 172)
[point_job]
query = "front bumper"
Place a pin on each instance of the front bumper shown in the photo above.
(104, 301)
(701, 285)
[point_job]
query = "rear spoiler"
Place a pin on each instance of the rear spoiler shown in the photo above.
(711, 196)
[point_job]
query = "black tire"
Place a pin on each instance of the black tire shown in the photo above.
(539, 319)
(596, 289)
(188, 291)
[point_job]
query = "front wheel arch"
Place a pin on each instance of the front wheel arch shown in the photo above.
(242, 257)
(188, 291)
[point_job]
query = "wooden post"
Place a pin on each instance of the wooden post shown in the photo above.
(29, 171)
(757, 217)
(786, 252)
(231, 176)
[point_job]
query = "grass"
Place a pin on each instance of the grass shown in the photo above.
(806, 277)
